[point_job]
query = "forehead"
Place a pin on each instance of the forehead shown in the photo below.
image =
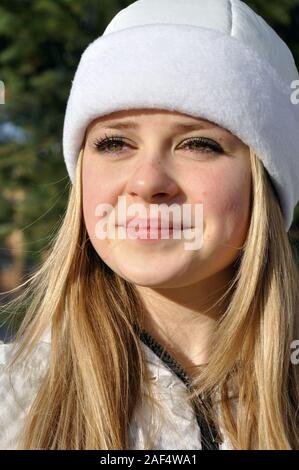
(136, 118)
(159, 119)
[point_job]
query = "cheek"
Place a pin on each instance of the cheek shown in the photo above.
(90, 193)
(96, 190)
(226, 203)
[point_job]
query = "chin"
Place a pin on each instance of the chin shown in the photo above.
(148, 279)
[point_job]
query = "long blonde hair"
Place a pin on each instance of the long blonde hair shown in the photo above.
(95, 318)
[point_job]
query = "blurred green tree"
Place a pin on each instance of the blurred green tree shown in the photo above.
(41, 42)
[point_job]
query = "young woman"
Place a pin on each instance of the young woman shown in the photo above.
(144, 343)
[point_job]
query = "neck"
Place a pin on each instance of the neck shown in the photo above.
(183, 319)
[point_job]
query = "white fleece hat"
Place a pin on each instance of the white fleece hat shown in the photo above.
(213, 59)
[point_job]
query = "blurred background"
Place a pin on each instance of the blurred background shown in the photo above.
(41, 42)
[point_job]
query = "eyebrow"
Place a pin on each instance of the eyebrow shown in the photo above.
(135, 125)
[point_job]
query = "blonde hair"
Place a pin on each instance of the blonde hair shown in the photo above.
(96, 316)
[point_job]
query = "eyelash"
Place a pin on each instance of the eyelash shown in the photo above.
(204, 142)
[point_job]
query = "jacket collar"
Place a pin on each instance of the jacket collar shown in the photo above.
(171, 374)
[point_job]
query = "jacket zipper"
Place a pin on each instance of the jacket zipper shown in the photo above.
(208, 431)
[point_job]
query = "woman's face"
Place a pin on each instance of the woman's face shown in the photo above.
(156, 162)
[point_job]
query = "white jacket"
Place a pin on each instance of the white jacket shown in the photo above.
(178, 427)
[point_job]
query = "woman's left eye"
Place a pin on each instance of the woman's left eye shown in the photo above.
(202, 144)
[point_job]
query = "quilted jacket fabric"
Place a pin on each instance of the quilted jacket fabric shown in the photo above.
(179, 427)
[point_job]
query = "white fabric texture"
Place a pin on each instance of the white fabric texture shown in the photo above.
(214, 59)
(17, 391)
(176, 429)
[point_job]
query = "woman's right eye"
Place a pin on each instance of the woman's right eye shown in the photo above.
(102, 144)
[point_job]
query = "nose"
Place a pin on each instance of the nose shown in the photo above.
(151, 182)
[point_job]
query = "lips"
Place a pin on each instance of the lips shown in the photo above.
(158, 224)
